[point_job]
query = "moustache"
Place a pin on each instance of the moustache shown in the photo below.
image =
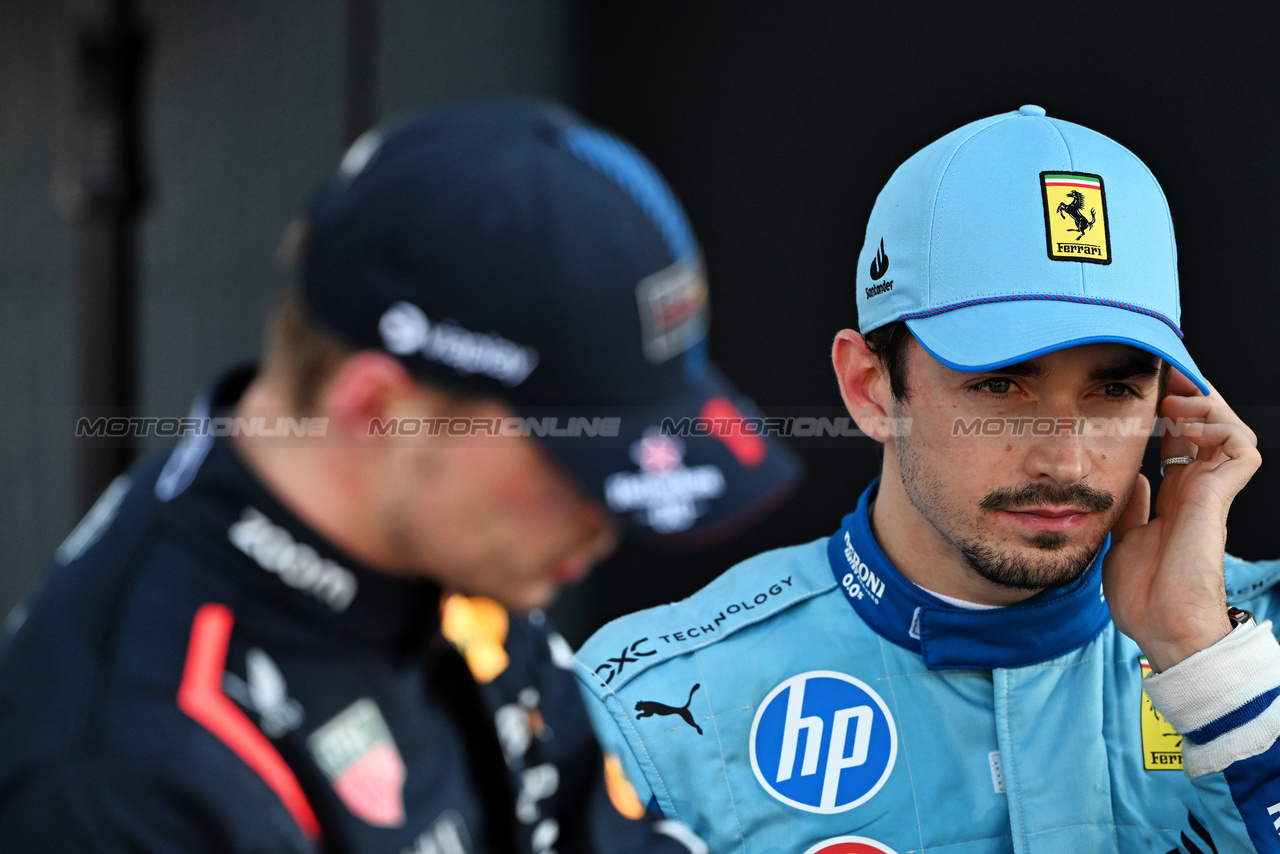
(1079, 496)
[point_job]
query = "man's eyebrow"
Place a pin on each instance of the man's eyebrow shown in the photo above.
(1019, 369)
(1135, 368)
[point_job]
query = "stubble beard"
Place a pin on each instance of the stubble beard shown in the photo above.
(1055, 568)
(1054, 563)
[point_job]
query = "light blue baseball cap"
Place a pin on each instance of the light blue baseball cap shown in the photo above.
(1018, 235)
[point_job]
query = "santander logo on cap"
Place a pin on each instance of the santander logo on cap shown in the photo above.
(405, 330)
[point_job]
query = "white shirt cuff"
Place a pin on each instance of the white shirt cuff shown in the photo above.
(1225, 697)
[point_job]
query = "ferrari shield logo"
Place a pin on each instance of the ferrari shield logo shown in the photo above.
(1075, 217)
(356, 752)
(1161, 743)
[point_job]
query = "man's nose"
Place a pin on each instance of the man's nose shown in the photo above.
(1060, 453)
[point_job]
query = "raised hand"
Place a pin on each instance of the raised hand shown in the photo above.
(1163, 577)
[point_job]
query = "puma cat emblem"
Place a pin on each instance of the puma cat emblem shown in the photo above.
(649, 708)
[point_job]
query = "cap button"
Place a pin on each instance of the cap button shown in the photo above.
(1031, 110)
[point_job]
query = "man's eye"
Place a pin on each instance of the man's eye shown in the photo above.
(1117, 390)
(997, 385)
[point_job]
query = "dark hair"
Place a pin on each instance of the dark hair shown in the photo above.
(889, 343)
(304, 350)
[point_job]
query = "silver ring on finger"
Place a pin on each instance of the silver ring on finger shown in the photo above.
(1182, 460)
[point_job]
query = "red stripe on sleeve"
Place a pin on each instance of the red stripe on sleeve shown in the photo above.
(201, 697)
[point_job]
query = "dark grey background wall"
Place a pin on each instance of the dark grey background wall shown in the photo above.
(36, 307)
(775, 122)
(244, 107)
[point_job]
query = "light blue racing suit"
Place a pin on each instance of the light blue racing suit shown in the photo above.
(812, 699)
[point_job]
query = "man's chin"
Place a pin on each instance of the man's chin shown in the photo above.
(1049, 541)
(1037, 567)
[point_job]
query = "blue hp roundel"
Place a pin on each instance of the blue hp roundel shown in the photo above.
(823, 742)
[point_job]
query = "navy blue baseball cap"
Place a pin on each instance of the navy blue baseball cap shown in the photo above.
(510, 249)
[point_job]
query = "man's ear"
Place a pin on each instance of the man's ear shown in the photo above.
(864, 385)
(368, 385)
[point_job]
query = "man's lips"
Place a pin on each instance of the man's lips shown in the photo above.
(1047, 518)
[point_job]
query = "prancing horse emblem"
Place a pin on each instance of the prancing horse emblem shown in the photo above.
(649, 708)
(1073, 210)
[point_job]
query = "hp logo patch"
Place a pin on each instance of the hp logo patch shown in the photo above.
(850, 845)
(823, 742)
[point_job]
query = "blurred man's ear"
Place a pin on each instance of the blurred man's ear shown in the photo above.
(370, 386)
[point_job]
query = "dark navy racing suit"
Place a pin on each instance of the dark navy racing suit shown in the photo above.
(201, 672)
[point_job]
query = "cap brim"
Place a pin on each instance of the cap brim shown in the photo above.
(688, 471)
(994, 335)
